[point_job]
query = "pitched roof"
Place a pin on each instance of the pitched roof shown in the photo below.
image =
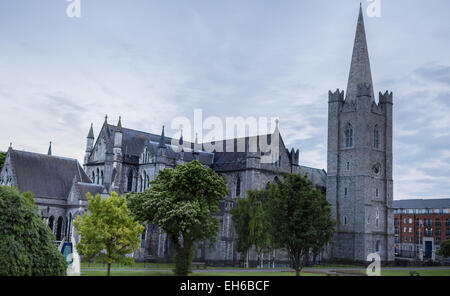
(46, 175)
(317, 176)
(85, 188)
(360, 72)
(422, 203)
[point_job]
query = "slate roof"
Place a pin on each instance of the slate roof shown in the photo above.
(317, 176)
(46, 175)
(422, 203)
(84, 188)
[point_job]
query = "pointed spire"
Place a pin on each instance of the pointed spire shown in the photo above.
(181, 138)
(360, 72)
(10, 146)
(91, 132)
(50, 149)
(106, 119)
(119, 125)
(162, 141)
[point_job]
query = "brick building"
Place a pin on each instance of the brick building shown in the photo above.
(420, 227)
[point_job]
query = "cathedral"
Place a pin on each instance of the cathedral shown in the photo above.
(358, 181)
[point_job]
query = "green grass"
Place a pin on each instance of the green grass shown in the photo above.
(167, 273)
(422, 272)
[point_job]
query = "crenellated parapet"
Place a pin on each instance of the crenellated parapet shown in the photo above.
(386, 98)
(337, 96)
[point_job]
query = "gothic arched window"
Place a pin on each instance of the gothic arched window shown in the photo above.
(378, 246)
(130, 181)
(145, 180)
(376, 137)
(50, 222)
(97, 181)
(93, 177)
(59, 227)
(101, 178)
(349, 136)
(238, 186)
(140, 184)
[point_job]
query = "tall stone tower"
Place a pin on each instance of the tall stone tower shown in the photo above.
(359, 182)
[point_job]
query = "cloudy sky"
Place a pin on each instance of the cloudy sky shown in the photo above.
(150, 61)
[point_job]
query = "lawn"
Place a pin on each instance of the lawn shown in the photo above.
(168, 273)
(422, 272)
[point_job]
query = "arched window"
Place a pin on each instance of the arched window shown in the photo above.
(69, 231)
(102, 178)
(50, 222)
(59, 227)
(377, 219)
(97, 181)
(376, 137)
(378, 246)
(140, 184)
(345, 220)
(130, 181)
(93, 177)
(238, 186)
(145, 180)
(349, 136)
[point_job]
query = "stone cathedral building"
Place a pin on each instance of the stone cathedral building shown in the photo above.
(125, 160)
(359, 180)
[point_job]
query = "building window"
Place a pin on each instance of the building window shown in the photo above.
(130, 181)
(349, 136)
(376, 137)
(404, 220)
(345, 191)
(378, 246)
(348, 166)
(59, 227)
(376, 192)
(410, 220)
(345, 220)
(238, 186)
(377, 219)
(50, 222)
(438, 222)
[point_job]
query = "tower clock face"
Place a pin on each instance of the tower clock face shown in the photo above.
(376, 169)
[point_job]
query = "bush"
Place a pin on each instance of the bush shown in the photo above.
(27, 245)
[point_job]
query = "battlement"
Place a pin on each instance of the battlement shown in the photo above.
(364, 90)
(294, 156)
(337, 96)
(386, 98)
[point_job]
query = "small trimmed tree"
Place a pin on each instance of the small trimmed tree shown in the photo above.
(444, 249)
(108, 232)
(182, 202)
(27, 245)
(300, 218)
(250, 221)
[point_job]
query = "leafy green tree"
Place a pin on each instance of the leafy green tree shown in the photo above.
(27, 245)
(444, 249)
(251, 222)
(182, 202)
(108, 232)
(300, 218)
(2, 159)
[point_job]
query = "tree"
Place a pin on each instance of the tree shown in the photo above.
(444, 249)
(251, 222)
(2, 159)
(182, 202)
(108, 231)
(300, 218)
(27, 245)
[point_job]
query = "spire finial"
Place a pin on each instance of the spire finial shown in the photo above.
(10, 145)
(181, 138)
(162, 141)
(106, 118)
(91, 132)
(360, 72)
(50, 149)
(119, 124)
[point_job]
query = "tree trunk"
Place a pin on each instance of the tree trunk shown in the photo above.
(109, 269)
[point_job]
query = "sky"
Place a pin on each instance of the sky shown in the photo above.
(150, 61)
